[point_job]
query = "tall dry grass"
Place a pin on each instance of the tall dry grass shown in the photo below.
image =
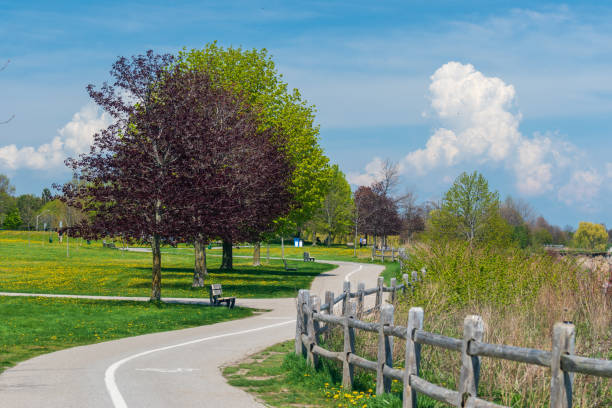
(520, 296)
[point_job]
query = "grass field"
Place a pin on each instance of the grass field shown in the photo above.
(43, 267)
(33, 325)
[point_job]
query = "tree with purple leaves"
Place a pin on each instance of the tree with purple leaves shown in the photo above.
(184, 159)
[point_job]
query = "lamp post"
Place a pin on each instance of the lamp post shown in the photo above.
(46, 211)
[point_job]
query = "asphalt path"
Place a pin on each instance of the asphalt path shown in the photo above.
(178, 368)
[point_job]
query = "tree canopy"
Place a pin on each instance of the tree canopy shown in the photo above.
(591, 236)
(334, 216)
(469, 211)
(184, 159)
(252, 73)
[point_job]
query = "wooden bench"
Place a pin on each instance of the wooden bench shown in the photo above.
(307, 257)
(216, 298)
(287, 269)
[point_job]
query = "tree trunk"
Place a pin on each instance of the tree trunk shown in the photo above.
(256, 251)
(199, 269)
(282, 248)
(268, 251)
(227, 260)
(156, 281)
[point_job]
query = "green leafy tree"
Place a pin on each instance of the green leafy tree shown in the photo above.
(334, 216)
(28, 205)
(591, 236)
(252, 74)
(12, 219)
(469, 211)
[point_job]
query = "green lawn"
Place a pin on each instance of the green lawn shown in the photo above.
(32, 325)
(322, 252)
(43, 267)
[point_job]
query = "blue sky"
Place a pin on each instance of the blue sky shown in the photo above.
(521, 93)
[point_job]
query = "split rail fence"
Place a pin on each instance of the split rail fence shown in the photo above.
(389, 253)
(314, 320)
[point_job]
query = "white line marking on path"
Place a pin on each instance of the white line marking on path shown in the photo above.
(169, 370)
(348, 275)
(109, 375)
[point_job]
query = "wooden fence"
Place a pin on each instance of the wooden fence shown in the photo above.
(389, 253)
(314, 320)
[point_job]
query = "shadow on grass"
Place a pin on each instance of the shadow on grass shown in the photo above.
(235, 272)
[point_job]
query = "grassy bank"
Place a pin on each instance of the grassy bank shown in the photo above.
(32, 326)
(281, 379)
(520, 295)
(43, 267)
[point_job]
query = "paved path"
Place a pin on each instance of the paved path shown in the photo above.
(171, 369)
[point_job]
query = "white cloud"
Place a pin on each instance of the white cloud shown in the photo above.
(479, 124)
(373, 171)
(609, 169)
(583, 188)
(74, 138)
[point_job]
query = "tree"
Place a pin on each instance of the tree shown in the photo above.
(28, 205)
(252, 73)
(469, 211)
(334, 216)
(7, 201)
(12, 219)
(591, 236)
(46, 195)
(241, 172)
(183, 160)
(377, 212)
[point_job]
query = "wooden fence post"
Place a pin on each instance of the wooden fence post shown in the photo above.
(473, 329)
(360, 297)
(329, 299)
(374, 251)
(346, 289)
(406, 280)
(394, 288)
(313, 305)
(385, 350)
(309, 328)
(349, 348)
(561, 382)
(379, 293)
(413, 356)
(299, 322)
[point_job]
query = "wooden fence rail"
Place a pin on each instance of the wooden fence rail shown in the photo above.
(390, 253)
(312, 322)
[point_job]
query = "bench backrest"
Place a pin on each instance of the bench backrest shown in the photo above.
(306, 255)
(215, 290)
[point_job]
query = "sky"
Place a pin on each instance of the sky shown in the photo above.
(519, 91)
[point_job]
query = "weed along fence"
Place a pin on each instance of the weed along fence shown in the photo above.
(314, 320)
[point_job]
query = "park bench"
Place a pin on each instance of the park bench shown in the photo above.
(287, 269)
(216, 298)
(307, 257)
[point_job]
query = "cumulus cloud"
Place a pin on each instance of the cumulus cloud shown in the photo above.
(373, 171)
(479, 123)
(583, 188)
(74, 138)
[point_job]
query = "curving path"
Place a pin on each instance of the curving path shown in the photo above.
(177, 368)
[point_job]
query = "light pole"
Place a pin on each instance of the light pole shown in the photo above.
(46, 211)
(39, 216)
